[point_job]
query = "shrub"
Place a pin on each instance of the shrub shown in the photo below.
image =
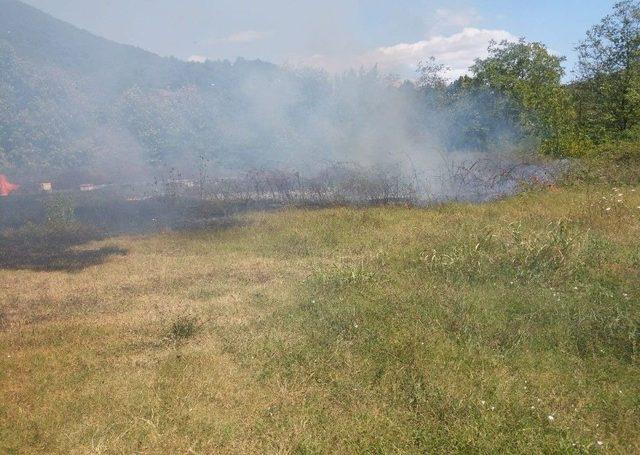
(610, 164)
(59, 211)
(183, 327)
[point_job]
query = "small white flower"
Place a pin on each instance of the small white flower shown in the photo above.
(551, 418)
(482, 402)
(493, 408)
(600, 443)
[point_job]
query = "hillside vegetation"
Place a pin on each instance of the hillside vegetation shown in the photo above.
(506, 327)
(71, 102)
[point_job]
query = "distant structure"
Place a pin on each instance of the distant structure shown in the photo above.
(46, 187)
(87, 187)
(185, 183)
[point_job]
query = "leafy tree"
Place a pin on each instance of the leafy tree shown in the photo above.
(530, 76)
(607, 92)
(478, 118)
(431, 74)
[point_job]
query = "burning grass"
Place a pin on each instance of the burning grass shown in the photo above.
(506, 327)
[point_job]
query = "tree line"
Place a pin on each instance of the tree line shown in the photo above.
(599, 107)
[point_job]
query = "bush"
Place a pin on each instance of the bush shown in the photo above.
(183, 327)
(610, 164)
(59, 211)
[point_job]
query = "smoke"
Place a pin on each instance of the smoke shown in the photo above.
(115, 114)
(253, 115)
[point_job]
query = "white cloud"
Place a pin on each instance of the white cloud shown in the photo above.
(457, 52)
(242, 37)
(198, 59)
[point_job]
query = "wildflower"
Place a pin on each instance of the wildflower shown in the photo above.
(600, 443)
(493, 408)
(482, 402)
(551, 418)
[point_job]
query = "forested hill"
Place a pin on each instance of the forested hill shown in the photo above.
(70, 99)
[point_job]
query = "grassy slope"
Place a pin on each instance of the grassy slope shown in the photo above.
(460, 328)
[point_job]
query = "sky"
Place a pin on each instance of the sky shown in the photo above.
(334, 34)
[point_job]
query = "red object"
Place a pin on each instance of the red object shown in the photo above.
(6, 187)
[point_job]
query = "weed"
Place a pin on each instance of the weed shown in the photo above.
(183, 328)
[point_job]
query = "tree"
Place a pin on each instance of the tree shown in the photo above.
(530, 77)
(608, 88)
(431, 74)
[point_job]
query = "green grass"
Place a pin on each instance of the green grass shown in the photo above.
(499, 328)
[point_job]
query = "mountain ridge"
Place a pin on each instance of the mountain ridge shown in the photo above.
(62, 89)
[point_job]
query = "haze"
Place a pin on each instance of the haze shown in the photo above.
(334, 34)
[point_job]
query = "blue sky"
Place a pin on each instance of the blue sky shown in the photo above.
(333, 34)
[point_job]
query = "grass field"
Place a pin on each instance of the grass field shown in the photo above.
(499, 328)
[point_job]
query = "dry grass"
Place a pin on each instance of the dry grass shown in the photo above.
(506, 327)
